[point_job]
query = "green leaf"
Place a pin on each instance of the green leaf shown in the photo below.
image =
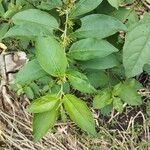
(136, 51)
(146, 18)
(66, 87)
(79, 113)
(105, 111)
(3, 29)
(129, 16)
(80, 82)
(114, 3)
(117, 89)
(49, 4)
(102, 99)
(119, 71)
(100, 63)
(97, 78)
(117, 104)
(51, 56)
(31, 71)
(55, 89)
(12, 9)
(40, 18)
(21, 2)
(134, 83)
(104, 8)
(46, 80)
(43, 104)
(129, 93)
(29, 92)
(84, 6)
(26, 31)
(147, 68)
(99, 26)
(24, 3)
(89, 48)
(42, 122)
(2, 10)
(35, 88)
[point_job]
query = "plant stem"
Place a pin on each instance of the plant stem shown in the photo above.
(64, 35)
(61, 92)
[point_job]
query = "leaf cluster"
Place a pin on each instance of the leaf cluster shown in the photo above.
(77, 46)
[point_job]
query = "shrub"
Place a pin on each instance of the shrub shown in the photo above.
(77, 46)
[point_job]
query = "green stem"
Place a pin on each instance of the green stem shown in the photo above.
(64, 35)
(64, 41)
(61, 92)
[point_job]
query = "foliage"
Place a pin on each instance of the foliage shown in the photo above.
(76, 45)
